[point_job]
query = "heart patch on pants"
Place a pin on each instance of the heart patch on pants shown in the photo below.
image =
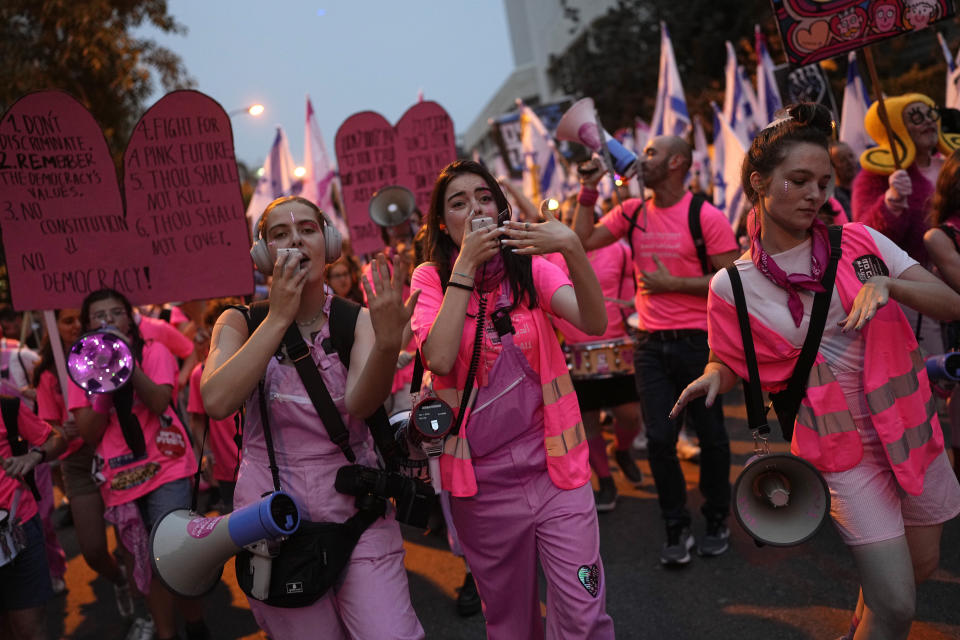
(590, 578)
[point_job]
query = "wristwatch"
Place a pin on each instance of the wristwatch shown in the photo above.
(43, 454)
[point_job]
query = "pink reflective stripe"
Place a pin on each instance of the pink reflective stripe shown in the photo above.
(561, 445)
(902, 386)
(912, 438)
(828, 423)
(557, 388)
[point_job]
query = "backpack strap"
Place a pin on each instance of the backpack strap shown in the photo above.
(633, 223)
(696, 231)
(10, 409)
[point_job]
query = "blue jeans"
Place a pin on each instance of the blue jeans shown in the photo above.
(665, 363)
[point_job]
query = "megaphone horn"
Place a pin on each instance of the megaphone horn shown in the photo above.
(579, 124)
(392, 205)
(100, 362)
(780, 500)
(944, 367)
(187, 551)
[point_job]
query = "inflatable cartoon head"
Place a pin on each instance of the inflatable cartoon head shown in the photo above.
(879, 159)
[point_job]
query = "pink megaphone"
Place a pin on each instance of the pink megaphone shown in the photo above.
(579, 124)
(100, 362)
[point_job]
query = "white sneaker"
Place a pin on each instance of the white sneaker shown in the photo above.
(686, 450)
(141, 629)
(640, 441)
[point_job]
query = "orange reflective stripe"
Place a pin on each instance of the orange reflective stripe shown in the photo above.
(912, 438)
(457, 447)
(828, 423)
(902, 386)
(560, 445)
(820, 375)
(557, 388)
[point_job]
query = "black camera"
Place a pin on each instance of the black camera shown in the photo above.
(414, 499)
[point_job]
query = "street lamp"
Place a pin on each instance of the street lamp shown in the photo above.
(254, 110)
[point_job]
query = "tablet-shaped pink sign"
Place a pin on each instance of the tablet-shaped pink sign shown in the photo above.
(64, 229)
(372, 154)
(183, 200)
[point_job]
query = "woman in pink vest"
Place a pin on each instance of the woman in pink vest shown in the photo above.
(143, 455)
(867, 420)
(517, 469)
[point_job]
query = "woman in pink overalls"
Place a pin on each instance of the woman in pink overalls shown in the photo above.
(371, 599)
(517, 469)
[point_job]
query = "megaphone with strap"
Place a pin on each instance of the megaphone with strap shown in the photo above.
(780, 499)
(187, 550)
(579, 124)
(392, 205)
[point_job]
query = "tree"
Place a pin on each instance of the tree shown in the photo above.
(87, 48)
(615, 59)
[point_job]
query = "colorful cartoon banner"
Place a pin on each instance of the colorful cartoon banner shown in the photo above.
(65, 230)
(813, 30)
(372, 153)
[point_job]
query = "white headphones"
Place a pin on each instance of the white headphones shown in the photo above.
(332, 242)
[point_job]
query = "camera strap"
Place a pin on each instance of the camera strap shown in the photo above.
(332, 420)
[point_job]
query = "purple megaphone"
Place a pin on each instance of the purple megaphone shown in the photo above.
(944, 367)
(100, 362)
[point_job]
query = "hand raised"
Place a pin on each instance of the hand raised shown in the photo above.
(537, 238)
(389, 313)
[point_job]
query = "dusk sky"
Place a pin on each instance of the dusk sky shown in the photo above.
(348, 55)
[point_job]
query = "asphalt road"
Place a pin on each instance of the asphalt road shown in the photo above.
(803, 592)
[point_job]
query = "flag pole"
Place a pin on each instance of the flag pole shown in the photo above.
(881, 107)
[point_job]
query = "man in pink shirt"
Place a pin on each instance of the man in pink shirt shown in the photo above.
(671, 350)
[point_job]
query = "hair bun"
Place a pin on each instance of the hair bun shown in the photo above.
(812, 114)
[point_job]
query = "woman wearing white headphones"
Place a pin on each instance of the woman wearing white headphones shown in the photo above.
(294, 242)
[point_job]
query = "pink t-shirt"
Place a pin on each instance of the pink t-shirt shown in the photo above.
(50, 407)
(220, 434)
(547, 278)
(168, 456)
(614, 270)
(665, 233)
(164, 332)
(35, 431)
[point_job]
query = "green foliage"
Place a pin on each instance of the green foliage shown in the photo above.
(87, 48)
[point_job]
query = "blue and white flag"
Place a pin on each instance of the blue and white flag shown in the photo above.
(768, 93)
(670, 117)
(543, 171)
(277, 179)
(952, 94)
(739, 101)
(319, 174)
(855, 105)
(728, 152)
(700, 170)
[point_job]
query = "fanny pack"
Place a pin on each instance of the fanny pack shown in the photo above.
(308, 563)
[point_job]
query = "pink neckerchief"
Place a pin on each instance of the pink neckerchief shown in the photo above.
(791, 283)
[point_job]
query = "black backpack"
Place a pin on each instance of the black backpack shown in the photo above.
(696, 231)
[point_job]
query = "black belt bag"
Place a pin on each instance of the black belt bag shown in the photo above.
(309, 562)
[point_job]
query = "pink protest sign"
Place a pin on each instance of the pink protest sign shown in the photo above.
(183, 200)
(64, 229)
(813, 30)
(371, 154)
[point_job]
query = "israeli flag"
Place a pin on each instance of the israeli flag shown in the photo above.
(855, 105)
(670, 117)
(728, 152)
(768, 92)
(952, 95)
(739, 101)
(277, 179)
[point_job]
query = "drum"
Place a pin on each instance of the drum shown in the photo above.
(600, 359)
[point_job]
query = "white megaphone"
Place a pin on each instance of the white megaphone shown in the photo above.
(780, 500)
(579, 124)
(392, 205)
(187, 550)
